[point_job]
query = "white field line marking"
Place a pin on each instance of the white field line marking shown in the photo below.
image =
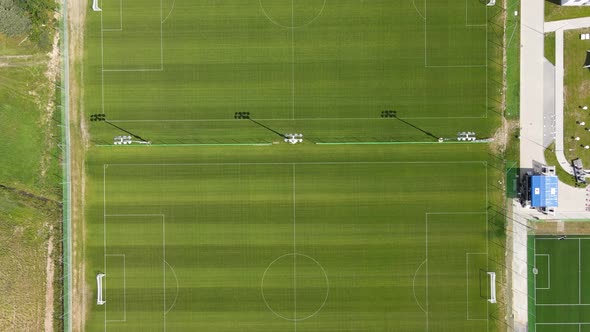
(467, 273)
(562, 323)
(104, 229)
(307, 119)
(163, 248)
(124, 290)
(120, 18)
(426, 237)
(138, 69)
(293, 66)
(417, 11)
(567, 238)
(294, 247)
(548, 270)
(414, 287)
(170, 12)
(177, 287)
(320, 163)
(467, 18)
(562, 304)
(579, 271)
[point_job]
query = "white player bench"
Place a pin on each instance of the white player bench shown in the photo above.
(99, 299)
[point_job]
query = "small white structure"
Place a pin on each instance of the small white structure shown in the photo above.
(122, 140)
(466, 136)
(575, 2)
(586, 147)
(492, 277)
(99, 299)
(491, 3)
(582, 123)
(294, 138)
(585, 36)
(577, 138)
(95, 6)
(585, 108)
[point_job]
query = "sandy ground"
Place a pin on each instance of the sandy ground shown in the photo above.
(50, 270)
(79, 139)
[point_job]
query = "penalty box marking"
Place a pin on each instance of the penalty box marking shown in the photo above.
(105, 215)
(453, 66)
(120, 28)
(548, 271)
(102, 30)
(486, 253)
(124, 288)
(330, 163)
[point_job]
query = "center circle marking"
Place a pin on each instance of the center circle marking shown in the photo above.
(285, 267)
(292, 14)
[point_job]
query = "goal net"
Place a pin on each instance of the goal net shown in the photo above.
(492, 278)
(99, 279)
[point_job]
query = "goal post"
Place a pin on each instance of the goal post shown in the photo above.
(99, 299)
(95, 6)
(492, 278)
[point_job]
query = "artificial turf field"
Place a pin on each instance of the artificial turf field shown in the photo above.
(561, 293)
(279, 237)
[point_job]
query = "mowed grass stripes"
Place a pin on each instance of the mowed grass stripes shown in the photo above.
(321, 246)
(208, 60)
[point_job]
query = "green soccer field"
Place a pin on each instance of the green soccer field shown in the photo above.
(293, 238)
(177, 71)
(561, 293)
(283, 241)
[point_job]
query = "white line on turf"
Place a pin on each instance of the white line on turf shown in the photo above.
(294, 248)
(124, 291)
(306, 119)
(120, 18)
(548, 270)
(417, 11)
(467, 273)
(177, 287)
(315, 163)
(170, 12)
(414, 287)
(579, 271)
(293, 65)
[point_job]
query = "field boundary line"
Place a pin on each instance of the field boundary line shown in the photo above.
(294, 244)
(124, 290)
(548, 270)
(579, 271)
(467, 272)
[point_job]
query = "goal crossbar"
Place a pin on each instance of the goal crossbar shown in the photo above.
(492, 277)
(99, 299)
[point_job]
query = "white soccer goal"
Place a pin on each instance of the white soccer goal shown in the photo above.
(99, 299)
(491, 2)
(492, 277)
(95, 6)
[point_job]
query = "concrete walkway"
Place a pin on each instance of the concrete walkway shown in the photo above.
(576, 23)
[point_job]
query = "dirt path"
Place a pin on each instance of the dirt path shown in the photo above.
(80, 291)
(49, 292)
